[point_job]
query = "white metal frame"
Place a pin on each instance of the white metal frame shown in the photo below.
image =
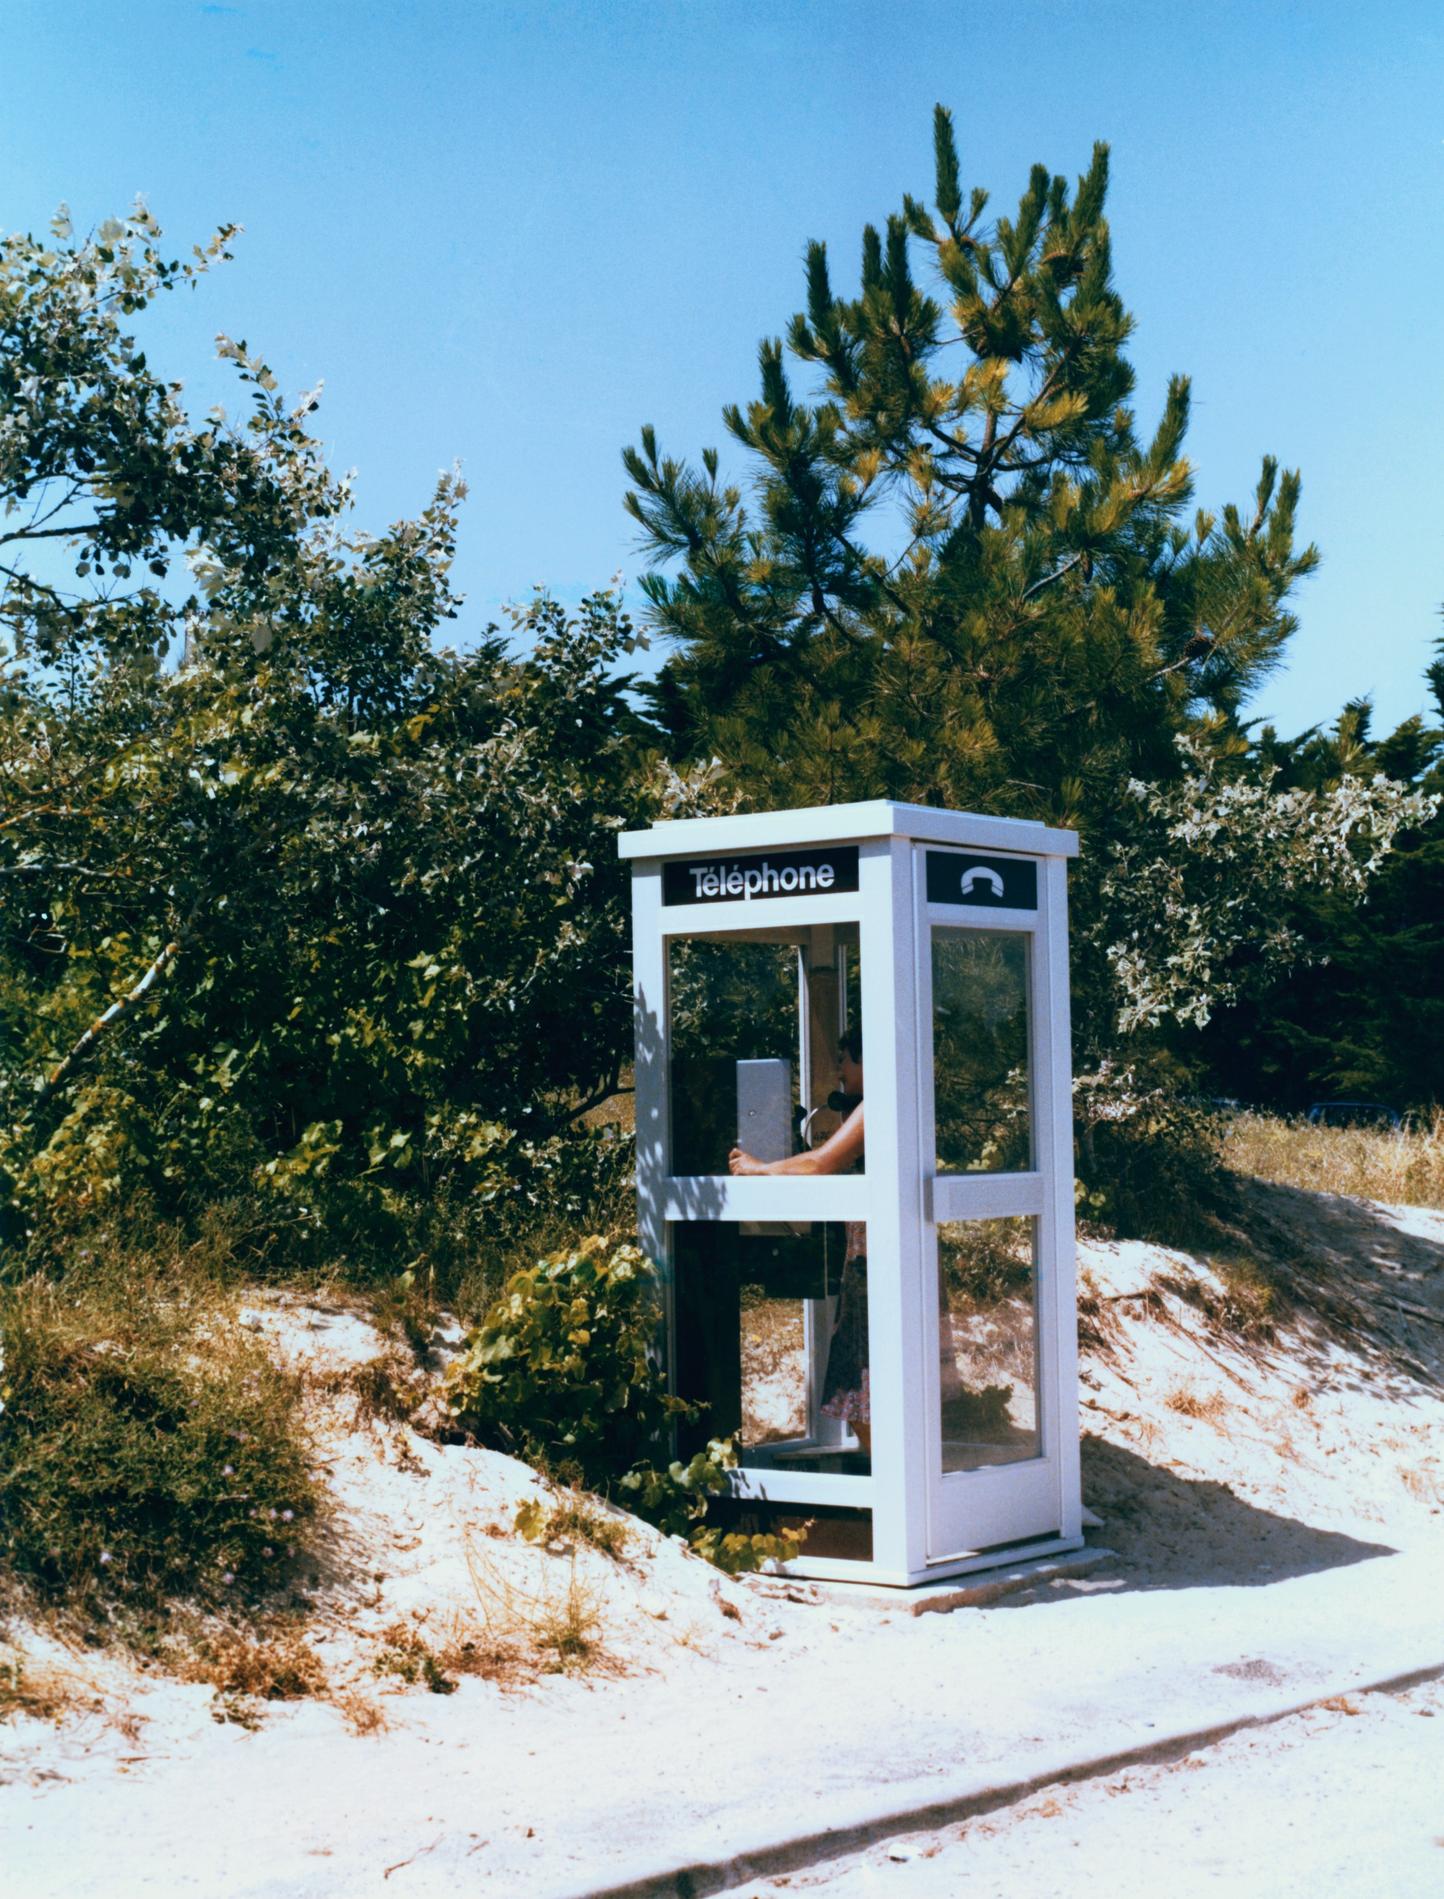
(985, 1507)
(923, 1526)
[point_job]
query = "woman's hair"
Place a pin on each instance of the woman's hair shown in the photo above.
(850, 1042)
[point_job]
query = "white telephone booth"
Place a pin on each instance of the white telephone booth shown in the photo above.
(891, 1342)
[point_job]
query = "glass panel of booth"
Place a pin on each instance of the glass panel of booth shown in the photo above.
(764, 1055)
(759, 1022)
(988, 1342)
(982, 1049)
(772, 1341)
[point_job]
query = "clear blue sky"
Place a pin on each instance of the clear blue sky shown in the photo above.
(511, 234)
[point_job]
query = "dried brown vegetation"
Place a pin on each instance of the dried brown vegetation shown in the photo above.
(1402, 1166)
(384, 1389)
(1212, 1409)
(556, 1629)
(269, 1662)
(40, 1688)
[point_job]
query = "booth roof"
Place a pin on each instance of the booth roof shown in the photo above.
(846, 824)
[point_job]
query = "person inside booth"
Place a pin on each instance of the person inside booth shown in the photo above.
(845, 1393)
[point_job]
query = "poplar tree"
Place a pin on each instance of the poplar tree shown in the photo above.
(957, 570)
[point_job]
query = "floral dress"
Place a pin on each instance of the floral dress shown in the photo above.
(845, 1391)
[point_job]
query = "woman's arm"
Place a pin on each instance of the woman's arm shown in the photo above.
(835, 1156)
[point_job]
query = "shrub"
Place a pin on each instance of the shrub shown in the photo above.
(1148, 1161)
(379, 956)
(573, 1519)
(456, 1245)
(563, 1372)
(150, 1451)
(339, 920)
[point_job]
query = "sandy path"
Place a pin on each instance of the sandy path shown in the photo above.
(1336, 1803)
(578, 1784)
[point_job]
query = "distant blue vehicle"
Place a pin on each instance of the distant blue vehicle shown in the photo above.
(1354, 1114)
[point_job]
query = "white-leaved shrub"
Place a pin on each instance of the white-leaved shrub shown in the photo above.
(1197, 895)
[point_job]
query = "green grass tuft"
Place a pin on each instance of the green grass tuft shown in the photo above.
(150, 1451)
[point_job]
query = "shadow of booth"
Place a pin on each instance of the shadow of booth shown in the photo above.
(1173, 1532)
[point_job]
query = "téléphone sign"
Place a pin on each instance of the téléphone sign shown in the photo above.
(754, 879)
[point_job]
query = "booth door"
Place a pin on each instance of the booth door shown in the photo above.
(989, 1252)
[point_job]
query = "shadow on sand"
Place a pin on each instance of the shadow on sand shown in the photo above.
(1173, 1532)
(1344, 1269)
(1341, 1273)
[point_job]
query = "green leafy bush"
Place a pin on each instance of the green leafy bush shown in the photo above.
(563, 1372)
(676, 1499)
(149, 1450)
(398, 966)
(338, 922)
(1148, 1161)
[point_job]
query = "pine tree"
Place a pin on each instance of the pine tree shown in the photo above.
(957, 573)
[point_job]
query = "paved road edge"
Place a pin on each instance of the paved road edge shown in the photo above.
(928, 1805)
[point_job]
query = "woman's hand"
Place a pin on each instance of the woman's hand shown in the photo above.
(835, 1156)
(739, 1161)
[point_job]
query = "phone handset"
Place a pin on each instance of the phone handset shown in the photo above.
(980, 874)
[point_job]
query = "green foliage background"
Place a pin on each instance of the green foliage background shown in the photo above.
(294, 901)
(300, 906)
(1362, 1017)
(312, 924)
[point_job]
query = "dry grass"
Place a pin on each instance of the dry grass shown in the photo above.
(1404, 1167)
(40, 1689)
(516, 1636)
(567, 1627)
(1188, 1403)
(409, 1652)
(469, 1651)
(1426, 1485)
(557, 1629)
(272, 1663)
(1247, 1306)
(361, 1714)
(383, 1390)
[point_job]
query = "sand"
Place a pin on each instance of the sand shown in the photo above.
(1341, 1802)
(1223, 1460)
